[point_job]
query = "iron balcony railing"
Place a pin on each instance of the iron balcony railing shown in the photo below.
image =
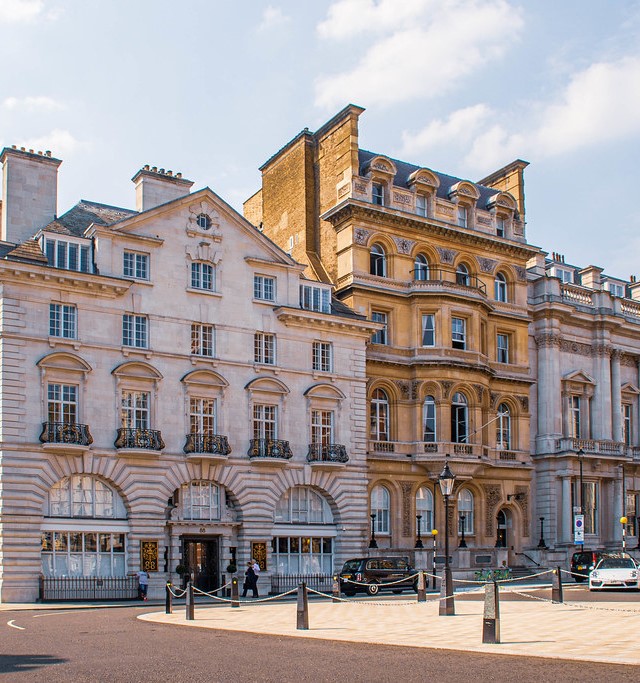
(214, 444)
(269, 448)
(147, 439)
(332, 452)
(447, 276)
(73, 588)
(66, 433)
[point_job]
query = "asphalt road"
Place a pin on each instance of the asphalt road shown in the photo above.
(110, 644)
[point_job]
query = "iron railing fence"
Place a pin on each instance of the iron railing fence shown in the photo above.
(280, 583)
(87, 588)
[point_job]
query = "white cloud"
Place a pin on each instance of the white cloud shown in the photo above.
(13, 11)
(272, 17)
(61, 143)
(33, 103)
(427, 47)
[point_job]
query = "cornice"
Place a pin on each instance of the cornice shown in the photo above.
(293, 317)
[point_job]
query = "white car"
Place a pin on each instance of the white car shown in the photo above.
(615, 572)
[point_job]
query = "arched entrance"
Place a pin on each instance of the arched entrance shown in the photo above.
(502, 529)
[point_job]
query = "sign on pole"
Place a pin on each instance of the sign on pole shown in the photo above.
(578, 529)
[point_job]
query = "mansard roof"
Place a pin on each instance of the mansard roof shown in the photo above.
(84, 213)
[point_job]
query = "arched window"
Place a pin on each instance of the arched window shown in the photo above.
(421, 268)
(500, 287)
(462, 275)
(378, 261)
(201, 500)
(503, 429)
(380, 508)
(429, 419)
(465, 508)
(459, 418)
(424, 507)
(303, 505)
(379, 427)
(82, 495)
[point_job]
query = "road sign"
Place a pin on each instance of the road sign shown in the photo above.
(578, 529)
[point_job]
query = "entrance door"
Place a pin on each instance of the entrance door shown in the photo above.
(201, 558)
(501, 524)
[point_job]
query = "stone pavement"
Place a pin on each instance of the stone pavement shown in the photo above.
(599, 632)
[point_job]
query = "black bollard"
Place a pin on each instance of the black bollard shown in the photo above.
(168, 599)
(303, 608)
(189, 606)
(491, 620)
(422, 591)
(556, 586)
(335, 589)
(235, 600)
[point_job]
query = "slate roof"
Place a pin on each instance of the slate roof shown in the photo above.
(28, 251)
(84, 213)
(446, 181)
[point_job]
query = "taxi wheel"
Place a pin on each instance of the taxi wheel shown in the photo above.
(349, 594)
(373, 589)
(397, 591)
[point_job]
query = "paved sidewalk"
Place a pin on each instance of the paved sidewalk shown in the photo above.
(607, 632)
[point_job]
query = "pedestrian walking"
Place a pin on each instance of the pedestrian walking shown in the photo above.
(143, 584)
(256, 570)
(250, 580)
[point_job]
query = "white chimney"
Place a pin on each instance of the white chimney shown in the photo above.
(29, 192)
(156, 186)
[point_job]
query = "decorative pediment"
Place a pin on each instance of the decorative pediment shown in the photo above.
(206, 378)
(578, 376)
(268, 385)
(137, 370)
(464, 189)
(204, 220)
(379, 166)
(423, 177)
(629, 388)
(324, 391)
(64, 361)
(504, 200)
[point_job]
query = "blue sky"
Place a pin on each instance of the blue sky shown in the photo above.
(213, 88)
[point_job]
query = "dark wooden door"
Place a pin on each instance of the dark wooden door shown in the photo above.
(202, 561)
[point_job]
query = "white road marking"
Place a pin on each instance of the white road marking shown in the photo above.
(13, 625)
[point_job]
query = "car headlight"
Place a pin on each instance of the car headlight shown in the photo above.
(634, 574)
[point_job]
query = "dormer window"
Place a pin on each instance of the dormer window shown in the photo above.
(67, 254)
(315, 298)
(377, 193)
(421, 204)
(501, 226)
(616, 289)
(203, 221)
(564, 275)
(462, 216)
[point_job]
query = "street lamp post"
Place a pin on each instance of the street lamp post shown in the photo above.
(447, 605)
(373, 543)
(419, 543)
(580, 454)
(541, 543)
(434, 534)
(463, 543)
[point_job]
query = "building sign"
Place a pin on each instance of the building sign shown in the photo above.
(578, 529)
(259, 554)
(149, 556)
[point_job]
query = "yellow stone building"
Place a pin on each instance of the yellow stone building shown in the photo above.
(441, 263)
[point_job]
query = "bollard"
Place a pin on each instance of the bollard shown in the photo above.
(235, 600)
(189, 607)
(335, 589)
(303, 608)
(447, 601)
(422, 591)
(168, 599)
(556, 586)
(491, 620)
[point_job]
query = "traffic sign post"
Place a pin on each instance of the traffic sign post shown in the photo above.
(578, 529)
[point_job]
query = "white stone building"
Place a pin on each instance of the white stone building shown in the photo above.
(170, 387)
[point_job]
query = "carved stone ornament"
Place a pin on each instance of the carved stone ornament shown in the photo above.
(521, 273)
(483, 220)
(601, 350)
(548, 339)
(342, 191)
(446, 388)
(447, 255)
(415, 388)
(381, 166)
(522, 501)
(518, 228)
(479, 389)
(407, 527)
(628, 360)
(360, 188)
(404, 246)
(487, 265)
(493, 398)
(493, 497)
(577, 348)
(524, 402)
(404, 386)
(204, 220)
(400, 198)
(361, 236)
(463, 189)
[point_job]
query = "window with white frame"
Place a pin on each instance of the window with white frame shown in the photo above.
(501, 226)
(314, 298)
(632, 512)
(616, 289)
(421, 204)
(429, 419)
(462, 216)
(83, 553)
(564, 275)
(380, 507)
(503, 428)
(135, 330)
(322, 427)
(302, 554)
(377, 193)
(135, 265)
(379, 337)
(201, 500)
(379, 416)
(590, 507)
(83, 495)
(500, 287)
(203, 221)
(135, 410)
(575, 409)
(428, 329)
(378, 260)
(627, 424)
(63, 321)
(502, 348)
(466, 508)
(303, 505)
(459, 418)
(264, 348)
(265, 421)
(202, 340)
(264, 288)
(68, 255)
(62, 403)
(459, 333)
(462, 275)
(203, 276)
(421, 268)
(322, 356)
(424, 507)
(202, 416)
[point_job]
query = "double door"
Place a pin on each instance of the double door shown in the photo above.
(201, 557)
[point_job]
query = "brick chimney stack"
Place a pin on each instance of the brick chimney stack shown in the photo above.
(155, 186)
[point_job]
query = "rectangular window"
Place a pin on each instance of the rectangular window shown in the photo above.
(202, 276)
(202, 416)
(134, 412)
(202, 340)
(502, 344)
(459, 333)
(627, 429)
(136, 265)
(264, 422)
(264, 288)
(315, 298)
(428, 329)
(632, 511)
(62, 403)
(321, 360)
(264, 348)
(575, 407)
(380, 337)
(76, 553)
(500, 227)
(67, 255)
(322, 427)
(462, 216)
(62, 321)
(377, 194)
(564, 275)
(134, 331)
(421, 205)
(590, 507)
(616, 289)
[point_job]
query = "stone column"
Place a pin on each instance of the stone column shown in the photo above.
(601, 418)
(616, 397)
(549, 394)
(616, 511)
(566, 512)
